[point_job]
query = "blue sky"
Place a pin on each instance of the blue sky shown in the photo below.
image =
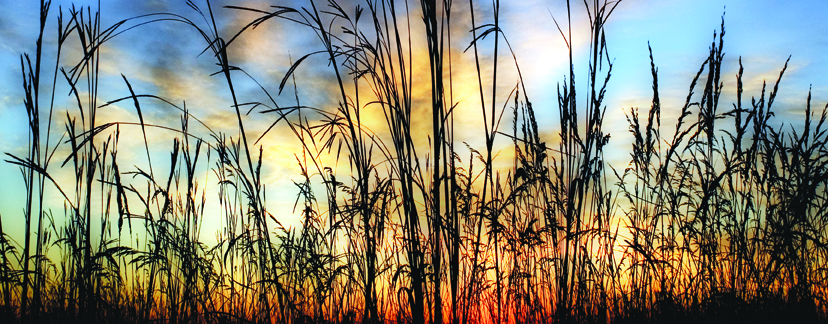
(163, 59)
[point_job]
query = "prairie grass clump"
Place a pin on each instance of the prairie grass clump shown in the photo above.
(400, 220)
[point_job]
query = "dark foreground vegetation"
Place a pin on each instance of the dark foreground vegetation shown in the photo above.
(718, 217)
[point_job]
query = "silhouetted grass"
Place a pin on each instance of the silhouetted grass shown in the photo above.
(723, 220)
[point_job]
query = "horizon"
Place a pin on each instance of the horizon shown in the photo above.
(678, 49)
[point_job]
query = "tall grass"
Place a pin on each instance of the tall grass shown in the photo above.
(722, 220)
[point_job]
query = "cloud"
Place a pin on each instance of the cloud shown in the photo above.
(163, 59)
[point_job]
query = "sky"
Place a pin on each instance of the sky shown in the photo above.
(163, 59)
